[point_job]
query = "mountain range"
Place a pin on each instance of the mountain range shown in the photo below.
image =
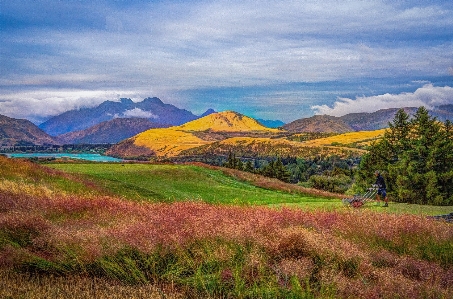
(359, 121)
(152, 108)
(112, 122)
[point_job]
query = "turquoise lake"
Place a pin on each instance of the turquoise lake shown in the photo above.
(88, 157)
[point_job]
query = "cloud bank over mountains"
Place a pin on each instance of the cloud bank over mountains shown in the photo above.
(60, 55)
(428, 96)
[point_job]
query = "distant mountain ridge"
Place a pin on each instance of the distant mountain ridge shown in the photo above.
(152, 108)
(111, 122)
(364, 121)
(317, 124)
(111, 131)
(14, 132)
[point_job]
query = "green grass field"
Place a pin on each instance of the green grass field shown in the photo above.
(169, 183)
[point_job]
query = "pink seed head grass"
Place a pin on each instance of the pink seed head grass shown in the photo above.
(147, 225)
(327, 247)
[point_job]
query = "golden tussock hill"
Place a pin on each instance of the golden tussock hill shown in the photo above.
(170, 142)
(360, 138)
(228, 121)
(219, 133)
(271, 147)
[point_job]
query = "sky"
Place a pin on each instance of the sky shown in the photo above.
(267, 59)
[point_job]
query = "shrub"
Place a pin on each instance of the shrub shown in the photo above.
(336, 184)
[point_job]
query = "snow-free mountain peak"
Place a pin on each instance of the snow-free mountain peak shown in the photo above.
(227, 121)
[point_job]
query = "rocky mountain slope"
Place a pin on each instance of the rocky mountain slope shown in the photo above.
(22, 132)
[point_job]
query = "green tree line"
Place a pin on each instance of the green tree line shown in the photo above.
(416, 158)
(273, 169)
(330, 173)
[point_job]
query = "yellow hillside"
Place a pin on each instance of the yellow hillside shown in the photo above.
(220, 132)
(361, 137)
(280, 144)
(262, 146)
(227, 121)
(170, 142)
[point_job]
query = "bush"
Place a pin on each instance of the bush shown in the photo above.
(336, 184)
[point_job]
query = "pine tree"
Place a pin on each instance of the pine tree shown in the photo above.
(440, 161)
(418, 158)
(231, 160)
(281, 172)
(238, 164)
(397, 135)
(425, 134)
(269, 169)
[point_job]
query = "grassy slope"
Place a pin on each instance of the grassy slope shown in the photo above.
(361, 138)
(167, 183)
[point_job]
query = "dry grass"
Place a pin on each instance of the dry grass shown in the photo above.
(71, 235)
(361, 138)
(34, 286)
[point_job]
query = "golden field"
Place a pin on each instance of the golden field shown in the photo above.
(361, 137)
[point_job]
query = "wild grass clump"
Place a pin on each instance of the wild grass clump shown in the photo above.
(227, 251)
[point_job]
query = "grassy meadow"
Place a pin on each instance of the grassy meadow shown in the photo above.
(187, 231)
(170, 183)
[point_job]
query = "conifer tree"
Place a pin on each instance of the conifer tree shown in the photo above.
(269, 169)
(417, 156)
(281, 172)
(421, 177)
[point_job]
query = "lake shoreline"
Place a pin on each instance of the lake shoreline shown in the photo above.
(79, 156)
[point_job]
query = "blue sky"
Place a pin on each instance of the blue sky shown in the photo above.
(267, 59)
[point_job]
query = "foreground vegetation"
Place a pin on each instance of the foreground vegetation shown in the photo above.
(60, 236)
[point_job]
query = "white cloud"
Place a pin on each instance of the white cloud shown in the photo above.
(137, 112)
(157, 48)
(37, 106)
(427, 96)
(205, 43)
